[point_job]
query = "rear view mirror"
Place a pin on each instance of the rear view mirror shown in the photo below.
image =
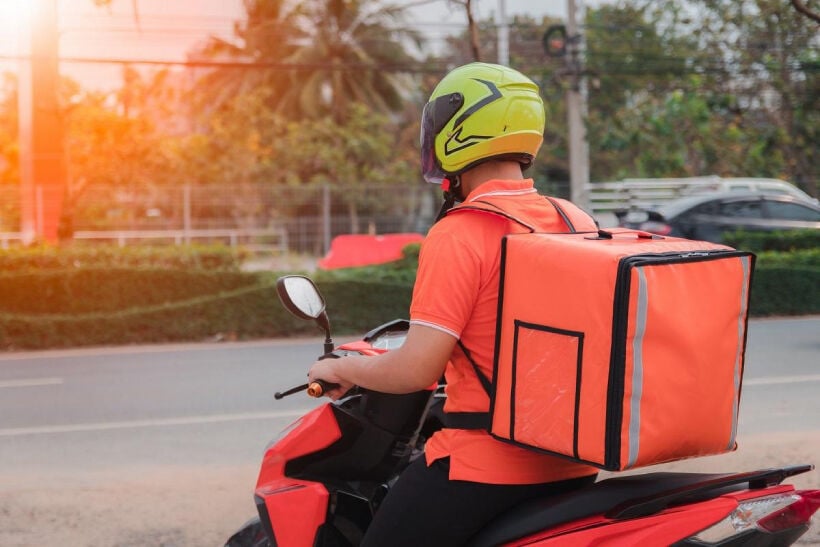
(300, 296)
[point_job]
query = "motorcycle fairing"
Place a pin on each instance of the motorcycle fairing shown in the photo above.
(314, 431)
(294, 509)
(288, 506)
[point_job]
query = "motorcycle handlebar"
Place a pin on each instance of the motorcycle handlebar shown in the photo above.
(314, 389)
(318, 388)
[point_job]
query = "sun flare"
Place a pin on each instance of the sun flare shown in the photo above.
(14, 18)
(14, 12)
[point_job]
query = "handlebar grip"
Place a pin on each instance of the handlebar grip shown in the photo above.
(319, 387)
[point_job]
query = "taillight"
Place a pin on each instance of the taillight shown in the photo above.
(773, 513)
(796, 514)
(655, 227)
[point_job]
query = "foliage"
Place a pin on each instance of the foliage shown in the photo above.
(799, 259)
(726, 88)
(790, 290)
(328, 92)
(781, 241)
(9, 147)
(677, 89)
(106, 289)
(348, 156)
(253, 43)
(49, 258)
(205, 306)
(327, 55)
(773, 50)
(250, 312)
(9, 152)
(83, 306)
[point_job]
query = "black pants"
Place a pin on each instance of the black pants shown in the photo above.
(425, 508)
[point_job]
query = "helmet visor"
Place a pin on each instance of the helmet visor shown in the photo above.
(434, 117)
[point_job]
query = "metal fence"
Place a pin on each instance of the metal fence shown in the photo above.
(273, 217)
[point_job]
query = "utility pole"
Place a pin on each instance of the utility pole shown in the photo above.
(576, 97)
(503, 34)
(42, 165)
(28, 212)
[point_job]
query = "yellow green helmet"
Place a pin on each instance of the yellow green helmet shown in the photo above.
(477, 112)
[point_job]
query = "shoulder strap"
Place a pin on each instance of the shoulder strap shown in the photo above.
(494, 209)
(485, 382)
(575, 218)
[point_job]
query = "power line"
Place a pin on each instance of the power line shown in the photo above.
(613, 69)
(389, 67)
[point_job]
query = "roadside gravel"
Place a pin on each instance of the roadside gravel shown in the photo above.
(202, 506)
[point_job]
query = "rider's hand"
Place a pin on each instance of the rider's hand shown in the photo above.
(326, 370)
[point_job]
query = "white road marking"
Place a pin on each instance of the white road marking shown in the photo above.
(162, 422)
(30, 382)
(768, 381)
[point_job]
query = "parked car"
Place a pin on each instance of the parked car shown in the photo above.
(749, 184)
(708, 217)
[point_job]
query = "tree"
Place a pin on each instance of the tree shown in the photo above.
(727, 88)
(318, 56)
(9, 161)
(770, 51)
(269, 34)
(348, 58)
(9, 154)
(350, 157)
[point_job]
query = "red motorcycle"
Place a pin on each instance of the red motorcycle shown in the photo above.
(324, 477)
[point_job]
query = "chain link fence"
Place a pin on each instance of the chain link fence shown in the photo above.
(298, 218)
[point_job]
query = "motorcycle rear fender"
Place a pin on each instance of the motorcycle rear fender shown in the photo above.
(665, 528)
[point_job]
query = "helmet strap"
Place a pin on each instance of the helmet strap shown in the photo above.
(452, 193)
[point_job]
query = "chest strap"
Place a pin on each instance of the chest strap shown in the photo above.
(470, 420)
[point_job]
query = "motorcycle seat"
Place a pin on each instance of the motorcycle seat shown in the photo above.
(612, 497)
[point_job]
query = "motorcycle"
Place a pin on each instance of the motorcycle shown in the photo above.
(323, 478)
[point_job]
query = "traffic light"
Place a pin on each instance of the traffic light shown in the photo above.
(555, 41)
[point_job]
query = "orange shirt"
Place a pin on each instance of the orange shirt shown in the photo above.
(456, 291)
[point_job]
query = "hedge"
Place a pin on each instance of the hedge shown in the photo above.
(250, 309)
(778, 290)
(43, 257)
(782, 241)
(53, 300)
(86, 290)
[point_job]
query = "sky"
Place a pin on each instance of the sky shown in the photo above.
(167, 29)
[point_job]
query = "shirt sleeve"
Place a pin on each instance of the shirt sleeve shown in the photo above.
(447, 281)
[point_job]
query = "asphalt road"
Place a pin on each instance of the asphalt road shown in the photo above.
(193, 420)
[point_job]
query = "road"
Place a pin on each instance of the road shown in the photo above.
(160, 445)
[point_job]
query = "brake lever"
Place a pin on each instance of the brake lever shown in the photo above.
(316, 388)
(282, 394)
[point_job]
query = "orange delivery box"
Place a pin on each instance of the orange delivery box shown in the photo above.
(619, 349)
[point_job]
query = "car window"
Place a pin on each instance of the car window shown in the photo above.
(791, 211)
(742, 208)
